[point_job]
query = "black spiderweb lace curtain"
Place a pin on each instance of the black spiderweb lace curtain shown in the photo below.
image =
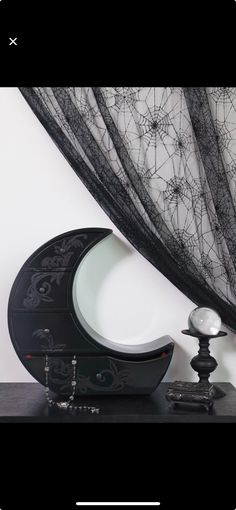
(162, 164)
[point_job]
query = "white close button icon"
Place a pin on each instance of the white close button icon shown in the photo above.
(13, 41)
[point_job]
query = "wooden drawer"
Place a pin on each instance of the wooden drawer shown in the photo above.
(64, 252)
(38, 290)
(35, 332)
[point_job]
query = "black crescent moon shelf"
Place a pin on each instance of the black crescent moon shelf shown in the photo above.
(44, 319)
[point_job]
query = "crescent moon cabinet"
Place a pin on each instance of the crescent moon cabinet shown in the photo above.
(44, 319)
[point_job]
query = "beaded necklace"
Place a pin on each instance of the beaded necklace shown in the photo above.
(67, 405)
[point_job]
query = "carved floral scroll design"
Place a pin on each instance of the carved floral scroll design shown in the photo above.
(52, 272)
(112, 379)
(46, 340)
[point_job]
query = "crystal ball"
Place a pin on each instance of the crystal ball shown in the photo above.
(204, 321)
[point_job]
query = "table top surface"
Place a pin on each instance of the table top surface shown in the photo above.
(25, 402)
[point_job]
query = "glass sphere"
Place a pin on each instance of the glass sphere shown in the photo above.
(204, 321)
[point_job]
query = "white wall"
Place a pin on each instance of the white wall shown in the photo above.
(124, 297)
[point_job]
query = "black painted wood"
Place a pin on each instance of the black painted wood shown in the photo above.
(25, 402)
(42, 320)
(204, 364)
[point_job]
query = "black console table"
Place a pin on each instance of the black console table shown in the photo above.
(25, 402)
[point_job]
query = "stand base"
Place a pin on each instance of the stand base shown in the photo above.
(204, 364)
(193, 395)
(218, 392)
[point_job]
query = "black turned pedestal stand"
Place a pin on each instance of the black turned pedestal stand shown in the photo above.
(204, 363)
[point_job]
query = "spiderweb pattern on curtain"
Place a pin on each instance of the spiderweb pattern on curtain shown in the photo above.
(162, 164)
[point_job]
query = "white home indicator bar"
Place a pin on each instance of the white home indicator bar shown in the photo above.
(117, 503)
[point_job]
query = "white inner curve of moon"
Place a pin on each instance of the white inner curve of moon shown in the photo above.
(114, 294)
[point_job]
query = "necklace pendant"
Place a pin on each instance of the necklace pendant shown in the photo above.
(63, 405)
